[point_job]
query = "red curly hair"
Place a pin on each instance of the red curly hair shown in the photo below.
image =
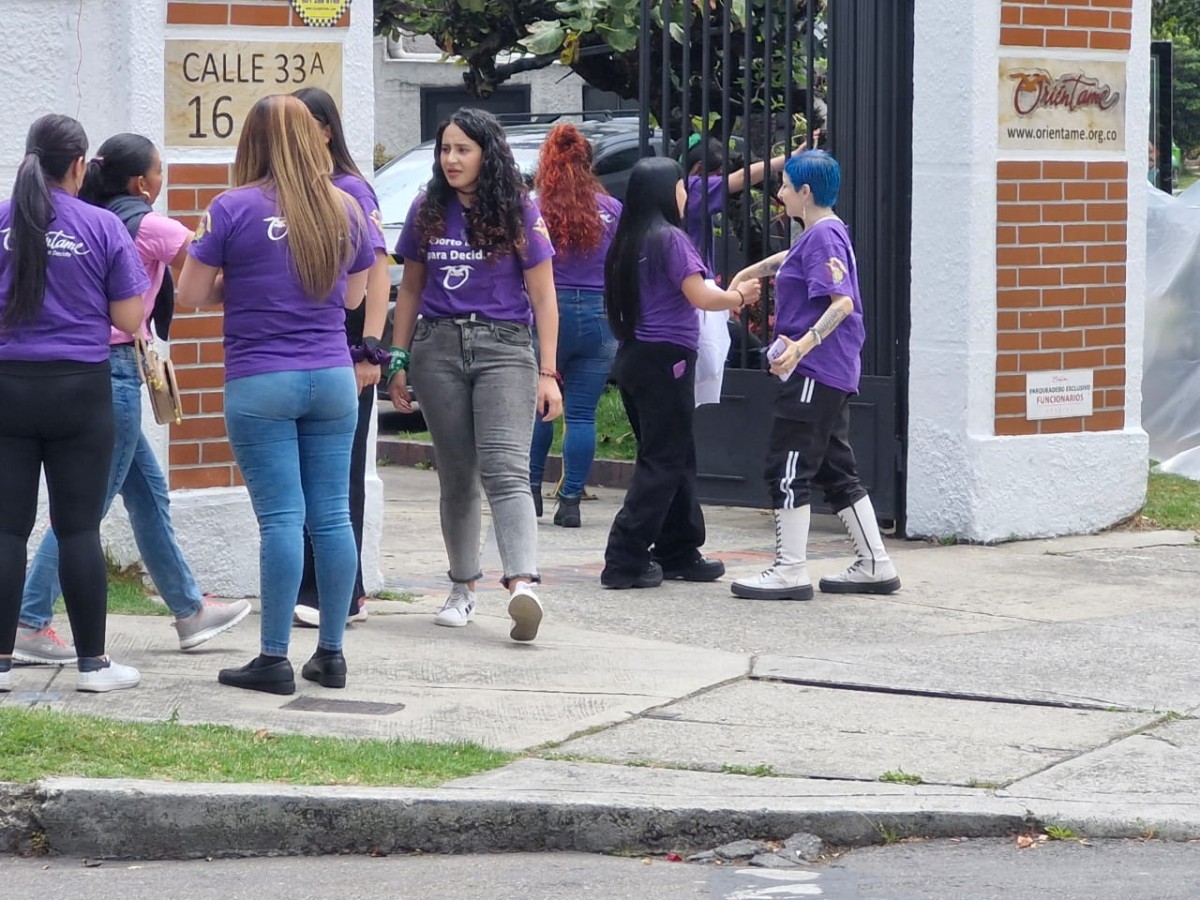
(566, 191)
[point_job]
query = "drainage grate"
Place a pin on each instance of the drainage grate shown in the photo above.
(343, 707)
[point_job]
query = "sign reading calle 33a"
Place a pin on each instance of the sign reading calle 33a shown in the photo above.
(320, 13)
(211, 85)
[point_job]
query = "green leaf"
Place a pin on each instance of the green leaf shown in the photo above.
(544, 37)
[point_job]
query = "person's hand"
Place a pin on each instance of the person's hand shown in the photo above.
(750, 290)
(366, 374)
(549, 399)
(804, 145)
(790, 358)
(398, 391)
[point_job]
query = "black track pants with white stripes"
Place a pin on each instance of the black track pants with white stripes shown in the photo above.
(810, 445)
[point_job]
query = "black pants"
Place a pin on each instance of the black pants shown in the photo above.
(810, 444)
(58, 415)
(358, 503)
(657, 383)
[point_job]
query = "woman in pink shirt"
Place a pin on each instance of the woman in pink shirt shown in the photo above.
(126, 177)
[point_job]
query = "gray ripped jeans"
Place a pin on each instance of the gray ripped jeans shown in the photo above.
(476, 382)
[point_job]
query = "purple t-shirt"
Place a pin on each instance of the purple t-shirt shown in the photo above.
(666, 315)
(271, 323)
(364, 196)
(701, 193)
(585, 271)
(820, 264)
(460, 280)
(92, 263)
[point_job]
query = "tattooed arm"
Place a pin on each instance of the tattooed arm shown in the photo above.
(764, 269)
(840, 306)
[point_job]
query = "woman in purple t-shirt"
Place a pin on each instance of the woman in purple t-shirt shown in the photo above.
(126, 177)
(68, 273)
(364, 329)
(819, 339)
(477, 268)
(653, 288)
(286, 253)
(582, 219)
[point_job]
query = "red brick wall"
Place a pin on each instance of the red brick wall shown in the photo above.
(1060, 286)
(1076, 24)
(237, 12)
(1061, 242)
(200, 455)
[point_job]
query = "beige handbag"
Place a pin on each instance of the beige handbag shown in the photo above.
(159, 377)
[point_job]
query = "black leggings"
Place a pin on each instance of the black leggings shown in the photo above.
(58, 415)
(358, 503)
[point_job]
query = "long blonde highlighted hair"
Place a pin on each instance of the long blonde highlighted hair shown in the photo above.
(282, 147)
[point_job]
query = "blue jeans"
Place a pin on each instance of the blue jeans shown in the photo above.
(291, 434)
(136, 475)
(586, 349)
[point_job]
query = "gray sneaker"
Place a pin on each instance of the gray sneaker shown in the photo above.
(212, 619)
(42, 645)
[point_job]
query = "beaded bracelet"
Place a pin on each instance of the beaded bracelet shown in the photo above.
(545, 373)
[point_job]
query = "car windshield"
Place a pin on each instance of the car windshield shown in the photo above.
(398, 184)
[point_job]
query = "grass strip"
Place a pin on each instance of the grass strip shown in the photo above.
(36, 743)
(1172, 502)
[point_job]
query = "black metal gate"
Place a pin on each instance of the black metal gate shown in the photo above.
(758, 76)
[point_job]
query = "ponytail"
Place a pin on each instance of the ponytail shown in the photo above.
(121, 157)
(31, 212)
(53, 145)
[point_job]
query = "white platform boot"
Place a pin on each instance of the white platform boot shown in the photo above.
(872, 572)
(787, 579)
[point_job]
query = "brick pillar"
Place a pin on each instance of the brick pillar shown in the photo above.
(200, 456)
(212, 60)
(1028, 267)
(1061, 239)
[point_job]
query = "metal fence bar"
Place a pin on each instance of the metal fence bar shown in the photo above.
(644, 79)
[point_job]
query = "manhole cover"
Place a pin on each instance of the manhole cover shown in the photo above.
(343, 707)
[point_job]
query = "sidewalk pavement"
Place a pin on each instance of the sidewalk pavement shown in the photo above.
(1028, 683)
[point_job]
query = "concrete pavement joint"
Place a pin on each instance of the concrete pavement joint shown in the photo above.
(1092, 705)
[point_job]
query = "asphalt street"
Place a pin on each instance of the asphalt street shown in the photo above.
(933, 870)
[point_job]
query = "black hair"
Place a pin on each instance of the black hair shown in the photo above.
(651, 208)
(121, 157)
(54, 143)
(324, 110)
(496, 220)
(710, 154)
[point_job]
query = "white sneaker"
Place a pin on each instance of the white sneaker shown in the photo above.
(5, 681)
(525, 609)
(111, 677)
(306, 616)
(459, 608)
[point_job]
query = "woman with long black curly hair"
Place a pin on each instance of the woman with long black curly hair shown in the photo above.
(477, 268)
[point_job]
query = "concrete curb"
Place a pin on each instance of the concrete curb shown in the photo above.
(153, 820)
(610, 473)
(119, 818)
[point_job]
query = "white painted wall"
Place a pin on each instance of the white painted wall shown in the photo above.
(963, 480)
(398, 84)
(103, 64)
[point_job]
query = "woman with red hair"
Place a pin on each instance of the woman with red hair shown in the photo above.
(581, 218)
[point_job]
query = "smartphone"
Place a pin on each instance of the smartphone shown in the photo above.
(773, 353)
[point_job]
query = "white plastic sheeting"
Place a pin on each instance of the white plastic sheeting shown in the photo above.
(1171, 381)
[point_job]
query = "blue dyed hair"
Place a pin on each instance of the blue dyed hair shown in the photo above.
(819, 171)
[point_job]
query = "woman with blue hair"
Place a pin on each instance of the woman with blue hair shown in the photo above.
(817, 353)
